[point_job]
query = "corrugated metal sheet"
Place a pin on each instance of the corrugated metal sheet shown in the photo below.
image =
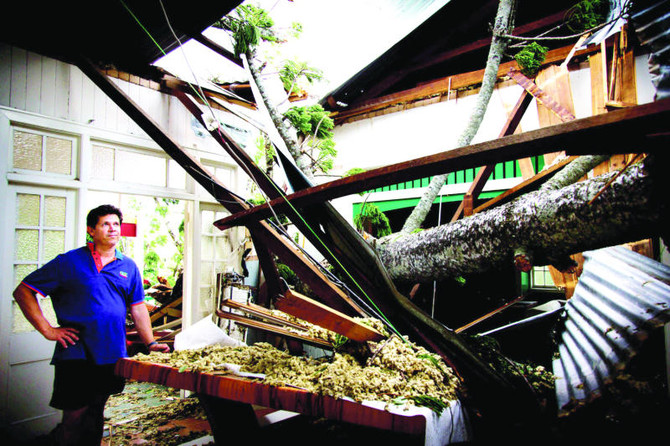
(652, 25)
(620, 297)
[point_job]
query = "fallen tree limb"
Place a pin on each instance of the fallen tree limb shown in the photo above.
(552, 224)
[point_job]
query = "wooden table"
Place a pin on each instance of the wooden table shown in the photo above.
(227, 400)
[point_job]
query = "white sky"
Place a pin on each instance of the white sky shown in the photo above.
(340, 37)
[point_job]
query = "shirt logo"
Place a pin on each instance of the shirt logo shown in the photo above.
(123, 274)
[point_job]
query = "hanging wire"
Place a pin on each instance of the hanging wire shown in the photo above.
(199, 92)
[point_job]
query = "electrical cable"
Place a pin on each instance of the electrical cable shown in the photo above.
(251, 174)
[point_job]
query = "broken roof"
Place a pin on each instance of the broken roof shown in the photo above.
(453, 40)
(128, 35)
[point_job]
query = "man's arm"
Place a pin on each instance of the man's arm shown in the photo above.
(140, 316)
(27, 301)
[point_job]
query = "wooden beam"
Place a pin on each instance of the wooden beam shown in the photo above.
(314, 312)
(440, 86)
(269, 238)
(212, 45)
(427, 57)
(525, 186)
(543, 97)
(484, 172)
(629, 130)
(252, 323)
(262, 313)
(166, 310)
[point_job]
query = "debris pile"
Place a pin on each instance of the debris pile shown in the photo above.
(394, 370)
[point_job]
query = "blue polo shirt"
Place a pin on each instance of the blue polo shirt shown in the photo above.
(91, 298)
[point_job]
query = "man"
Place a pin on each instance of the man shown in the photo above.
(91, 289)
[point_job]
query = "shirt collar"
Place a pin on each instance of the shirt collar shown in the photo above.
(91, 247)
(96, 255)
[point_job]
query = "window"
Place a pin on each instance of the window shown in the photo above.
(224, 174)
(41, 152)
(215, 256)
(540, 278)
(134, 166)
(39, 236)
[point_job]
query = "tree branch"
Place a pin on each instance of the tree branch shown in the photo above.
(504, 22)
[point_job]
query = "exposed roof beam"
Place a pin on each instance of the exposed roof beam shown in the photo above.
(443, 85)
(639, 129)
(261, 231)
(431, 60)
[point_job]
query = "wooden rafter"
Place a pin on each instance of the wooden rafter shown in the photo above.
(484, 172)
(638, 129)
(440, 86)
(524, 186)
(426, 58)
(267, 236)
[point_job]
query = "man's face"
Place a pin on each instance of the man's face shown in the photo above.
(107, 231)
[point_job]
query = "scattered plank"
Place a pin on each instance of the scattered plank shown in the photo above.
(307, 309)
(260, 312)
(272, 328)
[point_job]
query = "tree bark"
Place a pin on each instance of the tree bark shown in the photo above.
(504, 23)
(550, 224)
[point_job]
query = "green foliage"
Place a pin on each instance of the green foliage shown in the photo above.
(251, 25)
(314, 121)
(373, 221)
(293, 71)
(353, 171)
(311, 120)
(163, 247)
(587, 14)
(530, 58)
(287, 274)
(265, 153)
(432, 403)
(339, 341)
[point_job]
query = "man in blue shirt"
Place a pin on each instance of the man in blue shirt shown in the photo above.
(92, 289)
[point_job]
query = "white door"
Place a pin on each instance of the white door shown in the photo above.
(42, 226)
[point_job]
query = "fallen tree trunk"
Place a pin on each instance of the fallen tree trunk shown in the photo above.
(548, 224)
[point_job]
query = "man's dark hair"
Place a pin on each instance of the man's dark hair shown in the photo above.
(106, 209)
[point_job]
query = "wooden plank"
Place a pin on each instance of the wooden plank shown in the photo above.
(422, 62)
(307, 309)
(555, 82)
(260, 230)
(261, 312)
(488, 315)
(525, 186)
(598, 82)
(546, 101)
(167, 310)
(276, 397)
(484, 172)
(441, 86)
(272, 328)
(627, 130)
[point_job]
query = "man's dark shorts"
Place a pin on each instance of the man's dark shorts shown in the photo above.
(78, 383)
